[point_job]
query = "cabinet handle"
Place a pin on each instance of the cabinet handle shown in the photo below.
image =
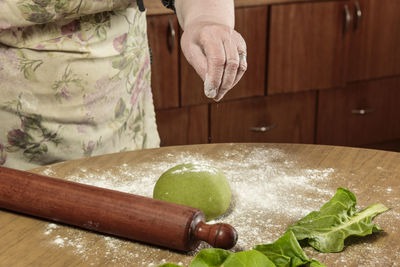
(171, 36)
(362, 111)
(347, 18)
(358, 14)
(263, 129)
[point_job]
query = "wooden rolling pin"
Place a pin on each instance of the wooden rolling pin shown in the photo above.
(121, 214)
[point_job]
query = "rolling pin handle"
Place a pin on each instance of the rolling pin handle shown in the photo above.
(218, 235)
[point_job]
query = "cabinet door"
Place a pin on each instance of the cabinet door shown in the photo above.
(163, 41)
(183, 126)
(375, 44)
(360, 114)
(308, 44)
(279, 118)
(251, 23)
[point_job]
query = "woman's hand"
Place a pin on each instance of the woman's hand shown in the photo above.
(217, 53)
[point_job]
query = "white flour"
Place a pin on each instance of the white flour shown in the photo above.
(265, 186)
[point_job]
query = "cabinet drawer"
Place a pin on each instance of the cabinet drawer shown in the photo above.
(360, 114)
(182, 126)
(278, 118)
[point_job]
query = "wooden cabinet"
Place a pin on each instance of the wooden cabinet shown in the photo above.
(308, 46)
(279, 118)
(322, 45)
(252, 24)
(375, 40)
(359, 114)
(163, 42)
(181, 126)
(176, 125)
(324, 72)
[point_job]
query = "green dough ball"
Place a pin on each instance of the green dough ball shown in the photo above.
(199, 186)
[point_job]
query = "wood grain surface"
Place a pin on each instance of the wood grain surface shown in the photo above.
(234, 121)
(374, 176)
(308, 47)
(181, 126)
(164, 66)
(337, 123)
(375, 43)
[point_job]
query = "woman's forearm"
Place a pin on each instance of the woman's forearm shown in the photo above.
(192, 11)
(211, 45)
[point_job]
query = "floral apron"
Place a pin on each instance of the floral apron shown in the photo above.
(74, 81)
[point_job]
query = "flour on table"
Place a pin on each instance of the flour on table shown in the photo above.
(50, 228)
(265, 186)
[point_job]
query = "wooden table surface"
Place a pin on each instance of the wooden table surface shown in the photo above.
(273, 186)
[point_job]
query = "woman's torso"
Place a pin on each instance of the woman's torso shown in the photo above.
(75, 88)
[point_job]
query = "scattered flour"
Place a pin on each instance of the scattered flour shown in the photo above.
(59, 241)
(266, 188)
(50, 228)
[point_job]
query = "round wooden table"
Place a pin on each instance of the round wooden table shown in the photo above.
(273, 186)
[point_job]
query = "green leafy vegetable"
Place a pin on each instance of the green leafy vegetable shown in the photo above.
(170, 265)
(338, 219)
(248, 258)
(286, 252)
(315, 263)
(325, 230)
(210, 257)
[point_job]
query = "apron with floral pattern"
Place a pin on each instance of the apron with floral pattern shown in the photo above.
(74, 81)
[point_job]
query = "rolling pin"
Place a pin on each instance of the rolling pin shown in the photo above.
(117, 213)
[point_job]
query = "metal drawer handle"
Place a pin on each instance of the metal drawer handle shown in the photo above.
(347, 18)
(263, 129)
(358, 14)
(171, 36)
(362, 111)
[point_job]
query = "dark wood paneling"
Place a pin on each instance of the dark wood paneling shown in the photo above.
(182, 126)
(337, 125)
(292, 115)
(164, 68)
(308, 46)
(392, 145)
(375, 45)
(251, 23)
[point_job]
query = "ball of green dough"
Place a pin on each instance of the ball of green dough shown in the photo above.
(199, 186)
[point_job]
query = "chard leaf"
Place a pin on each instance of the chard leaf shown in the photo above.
(315, 263)
(210, 257)
(214, 257)
(338, 219)
(250, 258)
(286, 252)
